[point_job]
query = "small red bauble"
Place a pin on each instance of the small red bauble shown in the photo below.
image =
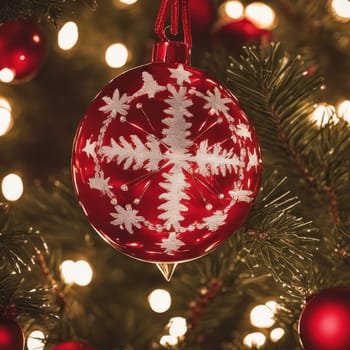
(73, 345)
(233, 35)
(166, 165)
(202, 15)
(325, 321)
(11, 335)
(23, 50)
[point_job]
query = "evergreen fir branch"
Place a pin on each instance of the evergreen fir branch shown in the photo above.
(276, 240)
(12, 10)
(18, 248)
(275, 90)
(17, 298)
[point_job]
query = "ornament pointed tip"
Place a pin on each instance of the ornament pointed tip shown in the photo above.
(167, 270)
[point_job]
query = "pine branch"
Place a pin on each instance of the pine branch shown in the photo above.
(276, 240)
(275, 92)
(12, 10)
(17, 298)
(18, 248)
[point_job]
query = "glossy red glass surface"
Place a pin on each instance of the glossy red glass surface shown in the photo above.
(325, 321)
(165, 163)
(11, 335)
(23, 49)
(73, 345)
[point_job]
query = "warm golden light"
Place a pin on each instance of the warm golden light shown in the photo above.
(341, 9)
(262, 15)
(159, 300)
(262, 316)
(68, 271)
(6, 120)
(233, 9)
(277, 334)
(324, 114)
(68, 36)
(254, 340)
(177, 326)
(128, 2)
(36, 340)
(79, 272)
(7, 75)
(12, 187)
(83, 273)
(343, 110)
(116, 55)
(168, 340)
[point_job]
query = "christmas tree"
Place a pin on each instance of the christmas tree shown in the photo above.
(281, 278)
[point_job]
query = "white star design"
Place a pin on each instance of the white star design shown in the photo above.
(171, 243)
(253, 160)
(89, 148)
(243, 131)
(180, 74)
(100, 183)
(150, 87)
(127, 218)
(115, 105)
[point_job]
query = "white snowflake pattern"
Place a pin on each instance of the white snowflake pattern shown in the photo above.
(150, 87)
(126, 218)
(216, 220)
(216, 103)
(180, 74)
(116, 105)
(171, 244)
(252, 160)
(89, 148)
(242, 130)
(172, 149)
(100, 183)
(240, 195)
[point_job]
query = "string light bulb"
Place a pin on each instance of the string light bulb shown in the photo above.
(7, 75)
(116, 55)
(254, 340)
(341, 9)
(79, 272)
(324, 114)
(6, 120)
(68, 36)
(262, 316)
(36, 340)
(343, 110)
(277, 334)
(262, 15)
(12, 187)
(177, 326)
(168, 340)
(128, 2)
(233, 9)
(159, 300)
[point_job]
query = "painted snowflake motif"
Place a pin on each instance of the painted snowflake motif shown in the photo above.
(127, 218)
(100, 183)
(171, 148)
(115, 105)
(89, 148)
(180, 74)
(171, 244)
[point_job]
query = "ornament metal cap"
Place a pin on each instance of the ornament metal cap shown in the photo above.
(171, 51)
(167, 270)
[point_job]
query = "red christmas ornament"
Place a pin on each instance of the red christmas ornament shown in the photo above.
(325, 321)
(202, 16)
(23, 50)
(11, 335)
(233, 35)
(166, 165)
(73, 345)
